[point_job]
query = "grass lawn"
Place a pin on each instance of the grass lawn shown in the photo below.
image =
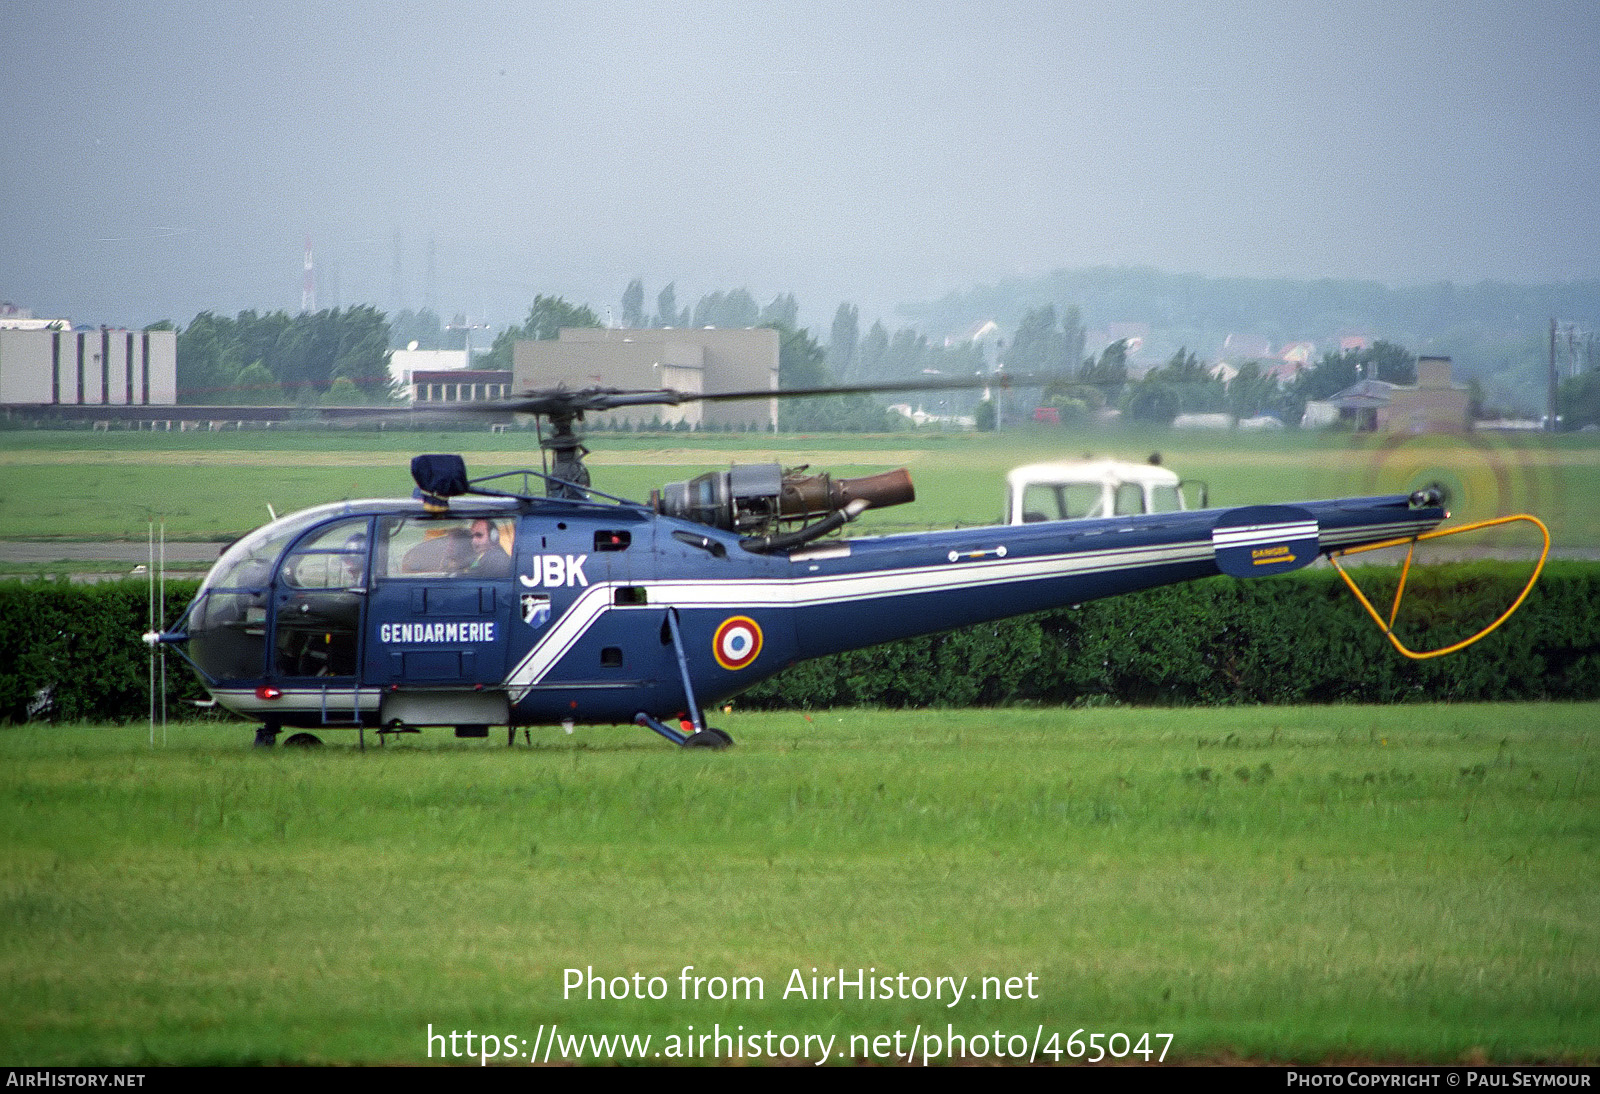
(1294, 884)
(80, 485)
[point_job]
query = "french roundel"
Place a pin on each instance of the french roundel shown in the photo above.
(737, 642)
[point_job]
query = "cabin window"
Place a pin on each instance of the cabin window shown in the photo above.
(1039, 504)
(611, 657)
(1130, 499)
(1069, 501)
(449, 547)
(228, 624)
(333, 558)
(228, 635)
(319, 602)
(630, 594)
(612, 541)
(1165, 499)
(247, 564)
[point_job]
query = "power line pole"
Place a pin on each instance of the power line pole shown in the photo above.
(1551, 416)
(308, 289)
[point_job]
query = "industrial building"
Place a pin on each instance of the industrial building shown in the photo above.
(88, 368)
(443, 376)
(705, 361)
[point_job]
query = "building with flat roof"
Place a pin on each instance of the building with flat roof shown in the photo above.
(459, 385)
(102, 367)
(444, 376)
(706, 361)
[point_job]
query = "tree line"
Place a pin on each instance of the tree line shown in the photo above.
(1496, 333)
(1184, 384)
(340, 357)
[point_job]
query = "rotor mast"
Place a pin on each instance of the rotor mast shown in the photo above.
(569, 478)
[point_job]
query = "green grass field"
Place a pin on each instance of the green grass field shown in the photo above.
(80, 485)
(1410, 883)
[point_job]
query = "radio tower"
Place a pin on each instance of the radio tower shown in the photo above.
(308, 294)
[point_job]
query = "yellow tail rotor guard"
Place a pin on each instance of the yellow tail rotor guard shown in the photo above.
(1411, 544)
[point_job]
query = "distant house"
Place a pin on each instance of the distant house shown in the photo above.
(1134, 335)
(1434, 404)
(1284, 372)
(1282, 365)
(1298, 353)
(985, 334)
(1357, 405)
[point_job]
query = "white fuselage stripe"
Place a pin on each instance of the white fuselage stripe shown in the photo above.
(835, 588)
(1254, 534)
(965, 573)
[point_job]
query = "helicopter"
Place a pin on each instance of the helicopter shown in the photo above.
(473, 604)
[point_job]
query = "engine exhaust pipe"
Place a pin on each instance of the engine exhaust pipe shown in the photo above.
(819, 495)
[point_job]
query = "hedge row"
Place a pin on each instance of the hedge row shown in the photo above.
(1299, 639)
(73, 652)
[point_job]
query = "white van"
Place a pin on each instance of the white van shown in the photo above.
(1082, 489)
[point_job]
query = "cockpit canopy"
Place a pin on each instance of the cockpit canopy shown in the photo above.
(321, 562)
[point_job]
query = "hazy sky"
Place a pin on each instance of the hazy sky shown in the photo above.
(162, 158)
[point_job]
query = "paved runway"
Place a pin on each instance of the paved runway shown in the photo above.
(81, 551)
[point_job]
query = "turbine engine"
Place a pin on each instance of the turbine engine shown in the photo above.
(754, 499)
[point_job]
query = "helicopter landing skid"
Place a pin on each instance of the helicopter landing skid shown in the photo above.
(710, 737)
(703, 735)
(643, 719)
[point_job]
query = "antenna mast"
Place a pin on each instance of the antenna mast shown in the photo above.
(308, 292)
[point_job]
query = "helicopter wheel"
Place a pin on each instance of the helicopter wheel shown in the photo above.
(266, 736)
(708, 738)
(303, 740)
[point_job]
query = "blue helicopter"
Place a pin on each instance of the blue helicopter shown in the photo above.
(471, 605)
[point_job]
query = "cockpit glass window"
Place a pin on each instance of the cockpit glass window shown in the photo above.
(247, 564)
(450, 547)
(334, 557)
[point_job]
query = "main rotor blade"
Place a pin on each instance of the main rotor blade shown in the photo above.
(560, 401)
(1003, 380)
